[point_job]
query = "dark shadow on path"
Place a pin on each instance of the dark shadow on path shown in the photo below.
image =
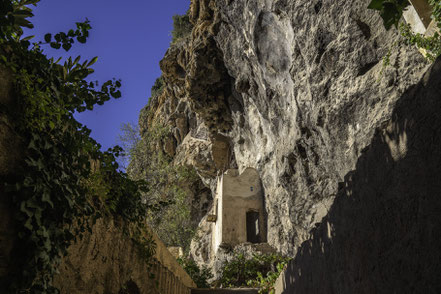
(383, 232)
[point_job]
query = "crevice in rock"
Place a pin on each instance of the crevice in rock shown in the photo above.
(367, 67)
(322, 39)
(318, 6)
(364, 28)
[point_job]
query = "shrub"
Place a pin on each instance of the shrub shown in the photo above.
(261, 270)
(166, 190)
(181, 27)
(391, 12)
(432, 44)
(157, 87)
(199, 275)
(266, 283)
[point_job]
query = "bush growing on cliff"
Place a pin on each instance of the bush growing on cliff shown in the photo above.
(261, 270)
(181, 27)
(166, 184)
(157, 87)
(128, 138)
(199, 275)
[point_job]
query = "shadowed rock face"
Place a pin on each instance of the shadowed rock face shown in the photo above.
(297, 88)
(382, 233)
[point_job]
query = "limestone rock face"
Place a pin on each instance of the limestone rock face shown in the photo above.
(315, 98)
(381, 234)
(296, 88)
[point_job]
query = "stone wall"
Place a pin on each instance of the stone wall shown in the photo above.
(108, 261)
(240, 194)
(236, 195)
(382, 233)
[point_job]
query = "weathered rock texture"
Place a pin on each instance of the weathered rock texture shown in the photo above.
(381, 234)
(315, 99)
(108, 261)
(296, 89)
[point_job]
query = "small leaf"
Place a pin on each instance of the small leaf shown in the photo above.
(25, 210)
(67, 46)
(32, 145)
(28, 38)
(81, 39)
(46, 197)
(55, 45)
(376, 4)
(116, 94)
(77, 59)
(23, 23)
(25, 13)
(28, 224)
(92, 61)
(48, 38)
(64, 73)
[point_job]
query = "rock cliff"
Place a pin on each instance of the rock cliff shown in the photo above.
(294, 89)
(381, 234)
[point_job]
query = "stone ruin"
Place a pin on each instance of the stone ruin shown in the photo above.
(238, 214)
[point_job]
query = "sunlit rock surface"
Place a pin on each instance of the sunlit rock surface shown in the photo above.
(296, 89)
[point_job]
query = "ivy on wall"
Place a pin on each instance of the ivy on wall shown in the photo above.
(65, 181)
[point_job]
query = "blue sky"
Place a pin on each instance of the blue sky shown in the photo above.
(129, 37)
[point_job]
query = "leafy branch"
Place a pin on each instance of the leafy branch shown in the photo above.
(391, 12)
(55, 194)
(65, 40)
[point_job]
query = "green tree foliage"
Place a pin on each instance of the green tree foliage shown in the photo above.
(181, 27)
(391, 12)
(266, 283)
(66, 181)
(199, 275)
(167, 184)
(431, 44)
(157, 87)
(128, 138)
(168, 190)
(261, 270)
